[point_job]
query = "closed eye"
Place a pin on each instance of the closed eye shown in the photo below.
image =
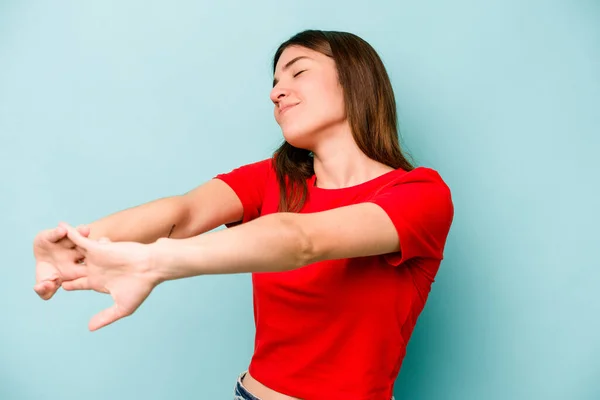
(298, 73)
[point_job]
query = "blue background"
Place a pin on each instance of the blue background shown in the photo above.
(106, 105)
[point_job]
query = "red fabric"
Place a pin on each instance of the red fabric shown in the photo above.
(339, 329)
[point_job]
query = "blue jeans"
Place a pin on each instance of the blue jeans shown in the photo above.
(241, 393)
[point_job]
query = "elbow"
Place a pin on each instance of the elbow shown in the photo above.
(302, 246)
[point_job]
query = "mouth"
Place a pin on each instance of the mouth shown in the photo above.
(284, 109)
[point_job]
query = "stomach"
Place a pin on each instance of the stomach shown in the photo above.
(261, 391)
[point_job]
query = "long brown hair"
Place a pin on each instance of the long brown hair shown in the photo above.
(370, 107)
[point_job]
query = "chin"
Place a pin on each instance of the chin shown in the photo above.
(300, 138)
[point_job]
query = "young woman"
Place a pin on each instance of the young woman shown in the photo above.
(342, 235)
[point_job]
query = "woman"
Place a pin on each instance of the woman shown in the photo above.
(342, 235)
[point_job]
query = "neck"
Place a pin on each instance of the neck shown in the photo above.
(339, 163)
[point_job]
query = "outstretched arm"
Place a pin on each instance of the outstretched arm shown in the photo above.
(283, 241)
(278, 242)
(200, 210)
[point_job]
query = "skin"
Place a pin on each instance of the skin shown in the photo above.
(316, 120)
(54, 252)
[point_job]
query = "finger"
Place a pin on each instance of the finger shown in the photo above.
(68, 243)
(56, 234)
(104, 240)
(82, 242)
(45, 290)
(64, 241)
(75, 272)
(105, 317)
(77, 284)
(45, 271)
(84, 230)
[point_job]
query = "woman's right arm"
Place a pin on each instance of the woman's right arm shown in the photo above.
(200, 210)
(225, 199)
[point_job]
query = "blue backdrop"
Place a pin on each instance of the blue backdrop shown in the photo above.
(106, 105)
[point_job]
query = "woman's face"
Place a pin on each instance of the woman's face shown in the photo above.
(309, 101)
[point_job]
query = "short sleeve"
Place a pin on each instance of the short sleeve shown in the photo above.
(421, 209)
(248, 182)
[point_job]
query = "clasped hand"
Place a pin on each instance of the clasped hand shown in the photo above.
(66, 257)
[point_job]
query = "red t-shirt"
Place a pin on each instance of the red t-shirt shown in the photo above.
(338, 329)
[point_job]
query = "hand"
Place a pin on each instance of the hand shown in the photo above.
(56, 259)
(121, 269)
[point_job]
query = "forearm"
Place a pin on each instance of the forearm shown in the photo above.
(200, 210)
(144, 223)
(268, 244)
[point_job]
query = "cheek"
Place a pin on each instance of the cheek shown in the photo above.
(322, 106)
(333, 100)
(326, 101)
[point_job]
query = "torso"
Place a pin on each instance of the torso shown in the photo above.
(314, 325)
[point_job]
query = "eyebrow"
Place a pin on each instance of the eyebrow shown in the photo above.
(289, 64)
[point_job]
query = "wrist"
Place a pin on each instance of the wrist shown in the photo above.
(161, 259)
(174, 259)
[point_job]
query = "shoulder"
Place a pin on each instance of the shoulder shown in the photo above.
(419, 179)
(422, 174)
(418, 195)
(255, 168)
(264, 164)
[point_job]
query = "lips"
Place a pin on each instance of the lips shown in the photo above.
(286, 107)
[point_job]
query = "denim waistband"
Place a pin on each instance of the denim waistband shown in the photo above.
(241, 393)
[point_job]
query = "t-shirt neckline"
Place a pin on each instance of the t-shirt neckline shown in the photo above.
(312, 187)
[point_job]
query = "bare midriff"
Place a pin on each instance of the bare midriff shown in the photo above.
(261, 391)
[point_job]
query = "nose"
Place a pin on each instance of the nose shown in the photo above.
(278, 93)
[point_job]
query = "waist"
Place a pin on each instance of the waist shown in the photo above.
(290, 381)
(261, 391)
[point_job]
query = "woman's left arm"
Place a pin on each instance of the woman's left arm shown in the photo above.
(278, 242)
(129, 271)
